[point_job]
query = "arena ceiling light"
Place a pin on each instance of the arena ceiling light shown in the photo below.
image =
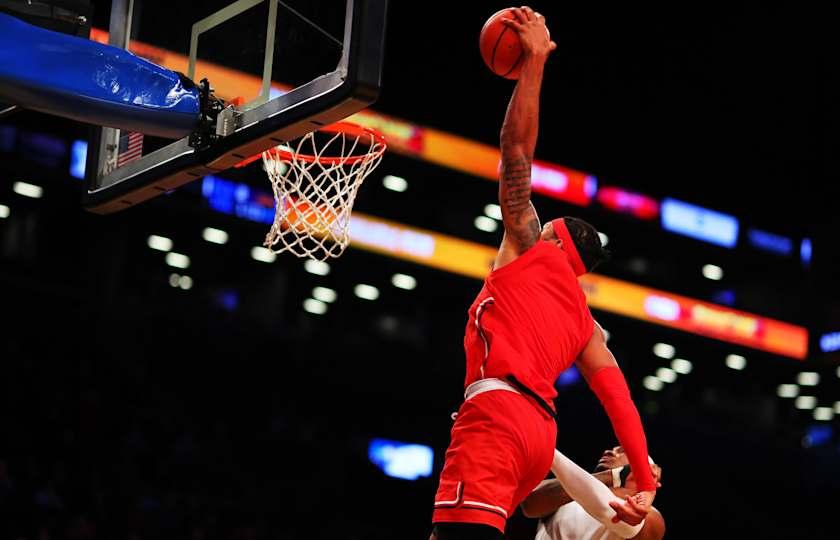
(174, 280)
(316, 307)
(823, 413)
(787, 391)
(366, 292)
(262, 254)
(28, 190)
(666, 375)
(808, 378)
(319, 268)
(160, 243)
(664, 350)
(4, 211)
(493, 211)
(486, 224)
(403, 281)
(185, 282)
(713, 272)
(805, 402)
(214, 236)
(178, 260)
(681, 366)
(837, 407)
(736, 362)
(324, 294)
(395, 183)
(653, 383)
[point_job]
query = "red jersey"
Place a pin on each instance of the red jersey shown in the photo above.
(530, 320)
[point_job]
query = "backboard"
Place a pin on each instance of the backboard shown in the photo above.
(288, 66)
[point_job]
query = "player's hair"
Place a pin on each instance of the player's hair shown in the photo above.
(587, 242)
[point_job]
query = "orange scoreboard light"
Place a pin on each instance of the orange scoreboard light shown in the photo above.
(696, 316)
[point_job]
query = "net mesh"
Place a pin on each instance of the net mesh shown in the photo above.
(315, 186)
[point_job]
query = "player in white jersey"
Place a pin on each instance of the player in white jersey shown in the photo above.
(579, 506)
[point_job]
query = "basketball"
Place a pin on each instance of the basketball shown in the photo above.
(304, 217)
(500, 47)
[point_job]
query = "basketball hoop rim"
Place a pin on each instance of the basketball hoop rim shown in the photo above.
(376, 146)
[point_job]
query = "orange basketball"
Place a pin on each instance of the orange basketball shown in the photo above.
(500, 47)
(303, 216)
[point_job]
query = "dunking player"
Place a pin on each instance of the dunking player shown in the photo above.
(529, 323)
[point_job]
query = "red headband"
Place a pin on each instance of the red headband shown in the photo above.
(569, 247)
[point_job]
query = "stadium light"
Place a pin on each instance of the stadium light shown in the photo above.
(316, 307)
(159, 243)
(395, 183)
(324, 294)
(366, 292)
(486, 224)
(663, 350)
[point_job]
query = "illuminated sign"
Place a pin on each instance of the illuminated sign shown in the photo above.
(379, 235)
(767, 241)
(367, 232)
(695, 316)
(401, 460)
(475, 260)
(627, 202)
(700, 223)
(403, 137)
(238, 199)
(78, 159)
(818, 435)
(568, 377)
(805, 251)
(425, 247)
(477, 159)
(830, 342)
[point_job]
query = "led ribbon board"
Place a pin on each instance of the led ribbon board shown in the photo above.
(475, 260)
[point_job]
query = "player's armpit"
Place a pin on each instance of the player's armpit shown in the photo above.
(595, 355)
(545, 499)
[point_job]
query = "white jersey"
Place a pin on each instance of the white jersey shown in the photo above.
(571, 522)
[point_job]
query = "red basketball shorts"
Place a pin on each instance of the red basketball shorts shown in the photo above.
(501, 447)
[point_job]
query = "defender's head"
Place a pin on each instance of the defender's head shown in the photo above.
(617, 457)
(579, 240)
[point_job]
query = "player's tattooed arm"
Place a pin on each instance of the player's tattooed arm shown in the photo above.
(522, 226)
(518, 140)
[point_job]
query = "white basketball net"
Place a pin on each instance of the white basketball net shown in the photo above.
(314, 191)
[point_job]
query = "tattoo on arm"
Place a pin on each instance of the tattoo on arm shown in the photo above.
(515, 196)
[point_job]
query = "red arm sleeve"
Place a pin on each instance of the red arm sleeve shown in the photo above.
(609, 385)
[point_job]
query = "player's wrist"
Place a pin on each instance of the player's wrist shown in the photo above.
(535, 56)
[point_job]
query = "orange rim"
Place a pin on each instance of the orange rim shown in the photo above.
(354, 130)
(374, 140)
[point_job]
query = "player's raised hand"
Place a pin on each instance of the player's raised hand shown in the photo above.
(533, 33)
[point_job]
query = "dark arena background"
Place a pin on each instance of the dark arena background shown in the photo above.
(162, 379)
